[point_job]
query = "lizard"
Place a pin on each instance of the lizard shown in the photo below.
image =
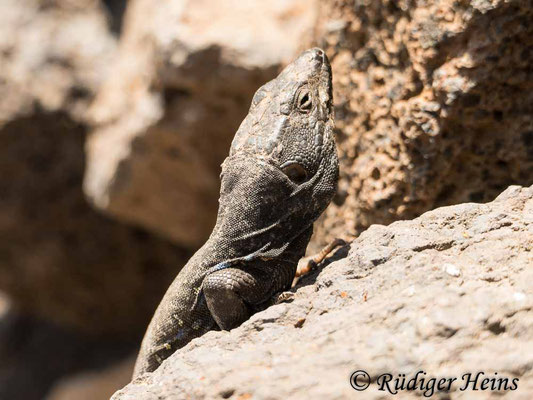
(280, 175)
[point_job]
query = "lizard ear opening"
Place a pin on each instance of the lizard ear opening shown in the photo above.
(295, 172)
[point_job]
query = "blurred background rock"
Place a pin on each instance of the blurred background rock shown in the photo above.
(115, 117)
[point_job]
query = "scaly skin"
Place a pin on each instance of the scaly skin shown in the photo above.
(280, 175)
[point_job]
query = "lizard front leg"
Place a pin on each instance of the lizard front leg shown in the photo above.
(233, 294)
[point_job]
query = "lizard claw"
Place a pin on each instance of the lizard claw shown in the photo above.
(312, 262)
(284, 297)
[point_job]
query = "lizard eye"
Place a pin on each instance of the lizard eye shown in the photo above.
(295, 172)
(305, 103)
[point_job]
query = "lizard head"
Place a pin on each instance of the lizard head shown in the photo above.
(282, 169)
(291, 117)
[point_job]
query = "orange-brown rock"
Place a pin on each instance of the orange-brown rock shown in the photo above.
(434, 105)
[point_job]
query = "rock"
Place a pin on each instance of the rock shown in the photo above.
(181, 85)
(59, 258)
(53, 56)
(433, 105)
(385, 305)
(451, 269)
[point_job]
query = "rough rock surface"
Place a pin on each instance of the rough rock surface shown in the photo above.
(182, 83)
(59, 258)
(434, 104)
(447, 292)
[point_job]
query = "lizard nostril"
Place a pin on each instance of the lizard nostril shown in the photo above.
(318, 54)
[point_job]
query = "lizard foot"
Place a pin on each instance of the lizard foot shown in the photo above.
(311, 263)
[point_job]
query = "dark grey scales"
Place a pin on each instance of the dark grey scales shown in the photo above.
(280, 175)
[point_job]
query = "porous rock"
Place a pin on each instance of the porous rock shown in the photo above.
(434, 105)
(386, 305)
